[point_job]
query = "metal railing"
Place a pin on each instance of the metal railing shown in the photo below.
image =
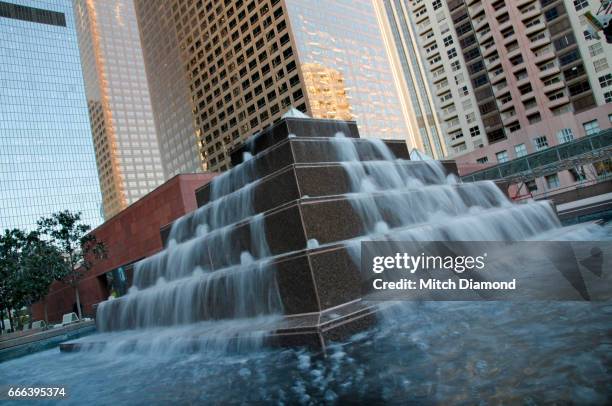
(589, 149)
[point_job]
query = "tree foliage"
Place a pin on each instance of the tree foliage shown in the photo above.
(80, 248)
(62, 249)
(28, 267)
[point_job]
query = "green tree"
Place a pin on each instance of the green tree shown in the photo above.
(41, 265)
(10, 253)
(79, 248)
(28, 267)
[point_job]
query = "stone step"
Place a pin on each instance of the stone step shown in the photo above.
(293, 126)
(318, 220)
(310, 280)
(296, 181)
(293, 151)
(312, 330)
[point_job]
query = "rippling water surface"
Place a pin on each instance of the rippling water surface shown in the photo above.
(430, 353)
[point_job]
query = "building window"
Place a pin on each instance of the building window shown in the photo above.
(552, 181)
(600, 64)
(580, 4)
(565, 135)
(474, 131)
(588, 35)
(520, 150)
(437, 4)
(596, 49)
(451, 53)
(456, 66)
(502, 156)
(464, 91)
(483, 160)
(448, 40)
(605, 80)
(590, 128)
(540, 143)
(531, 185)
(514, 127)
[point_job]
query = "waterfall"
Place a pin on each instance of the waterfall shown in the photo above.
(218, 265)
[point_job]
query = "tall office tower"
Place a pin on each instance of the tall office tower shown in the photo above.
(244, 63)
(169, 88)
(507, 77)
(47, 160)
(125, 140)
(415, 76)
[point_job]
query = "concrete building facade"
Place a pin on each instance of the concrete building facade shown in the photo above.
(509, 78)
(244, 63)
(127, 150)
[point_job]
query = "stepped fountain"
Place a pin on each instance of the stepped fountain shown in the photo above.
(272, 252)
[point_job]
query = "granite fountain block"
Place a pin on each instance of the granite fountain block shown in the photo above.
(301, 209)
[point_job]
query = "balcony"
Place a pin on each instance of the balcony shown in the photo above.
(527, 96)
(476, 9)
(479, 23)
(543, 57)
(456, 141)
(488, 49)
(497, 76)
(521, 3)
(553, 104)
(493, 62)
(449, 114)
(549, 72)
(509, 120)
(504, 26)
(453, 126)
(500, 11)
(553, 87)
(484, 35)
(441, 88)
(533, 12)
(539, 43)
(513, 53)
(518, 67)
(535, 28)
(501, 89)
(532, 110)
(506, 106)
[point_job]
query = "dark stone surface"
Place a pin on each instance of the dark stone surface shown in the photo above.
(330, 220)
(450, 167)
(300, 189)
(296, 285)
(299, 127)
(336, 277)
(302, 151)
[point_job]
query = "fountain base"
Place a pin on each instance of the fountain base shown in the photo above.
(312, 330)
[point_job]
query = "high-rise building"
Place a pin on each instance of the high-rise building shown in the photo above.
(47, 160)
(244, 63)
(507, 78)
(125, 140)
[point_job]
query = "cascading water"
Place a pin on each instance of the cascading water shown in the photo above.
(208, 279)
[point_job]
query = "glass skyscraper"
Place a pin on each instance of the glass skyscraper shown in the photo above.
(47, 160)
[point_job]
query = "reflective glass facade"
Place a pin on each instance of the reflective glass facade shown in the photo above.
(125, 140)
(47, 158)
(344, 35)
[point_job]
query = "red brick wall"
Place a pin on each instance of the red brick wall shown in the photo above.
(130, 235)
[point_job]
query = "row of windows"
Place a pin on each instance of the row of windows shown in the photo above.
(31, 14)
